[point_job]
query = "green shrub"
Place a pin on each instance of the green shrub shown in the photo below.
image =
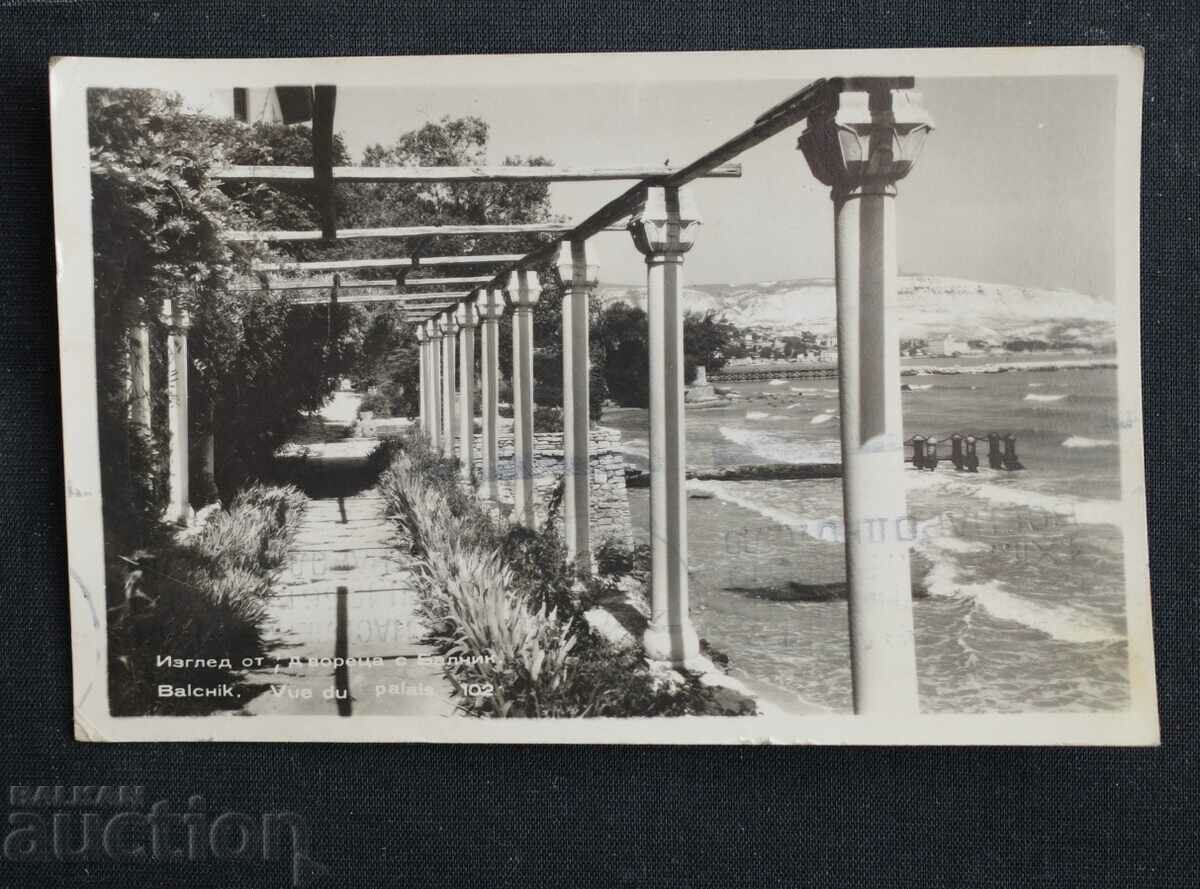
(377, 403)
(502, 605)
(547, 418)
(202, 596)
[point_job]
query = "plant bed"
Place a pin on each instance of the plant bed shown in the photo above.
(507, 610)
(197, 597)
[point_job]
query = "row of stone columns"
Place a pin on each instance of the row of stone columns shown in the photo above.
(860, 143)
(177, 322)
(449, 420)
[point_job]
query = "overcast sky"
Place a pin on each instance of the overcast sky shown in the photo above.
(1014, 186)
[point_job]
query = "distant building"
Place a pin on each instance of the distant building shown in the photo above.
(951, 347)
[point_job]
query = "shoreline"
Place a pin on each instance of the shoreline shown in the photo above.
(997, 367)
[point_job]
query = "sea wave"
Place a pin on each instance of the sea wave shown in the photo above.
(1061, 622)
(1011, 492)
(820, 419)
(756, 415)
(781, 449)
(1033, 396)
(826, 530)
(777, 383)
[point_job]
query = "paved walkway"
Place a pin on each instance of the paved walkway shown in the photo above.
(346, 593)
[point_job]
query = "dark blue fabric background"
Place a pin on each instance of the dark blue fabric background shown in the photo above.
(541, 816)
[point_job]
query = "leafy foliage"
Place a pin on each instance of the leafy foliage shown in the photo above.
(501, 603)
(256, 360)
(203, 597)
(389, 355)
(621, 334)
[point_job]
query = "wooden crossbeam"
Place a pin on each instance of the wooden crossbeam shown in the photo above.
(410, 283)
(318, 285)
(789, 112)
(412, 231)
(388, 263)
(325, 284)
(411, 175)
(426, 300)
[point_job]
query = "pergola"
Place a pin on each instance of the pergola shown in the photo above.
(859, 135)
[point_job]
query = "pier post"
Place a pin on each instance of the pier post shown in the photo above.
(578, 273)
(178, 322)
(467, 318)
(449, 328)
(864, 138)
(524, 290)
(663, 229)
(434, 357)
(490, 305)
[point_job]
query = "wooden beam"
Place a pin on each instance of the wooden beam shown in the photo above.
(317, 285)
(787, 113)
(325, 284)
(388, 263)
(324, 102)
(412, 231)
(410, 175)
(447, 299)
(432, 282)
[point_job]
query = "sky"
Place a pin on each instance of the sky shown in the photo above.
(1014, 186)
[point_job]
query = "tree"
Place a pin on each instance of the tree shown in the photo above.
(622, 335)
(158, 218)
(708, 341)
(390, 361)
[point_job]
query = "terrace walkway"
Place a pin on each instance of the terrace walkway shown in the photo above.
(346, 593)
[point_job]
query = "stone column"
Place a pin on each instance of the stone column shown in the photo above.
(524, 291)
(865, 138)
(449, 328)
(578, 276)
(434, 357)
(467, 318)
(663, 229)
(139, 378)
(423, 380)
(179, 508)
(490, 305)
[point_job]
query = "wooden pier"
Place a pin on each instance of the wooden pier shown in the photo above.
(761, 374)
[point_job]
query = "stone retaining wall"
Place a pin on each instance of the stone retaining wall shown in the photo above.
(609, 504)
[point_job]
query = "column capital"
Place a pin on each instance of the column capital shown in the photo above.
(665, 223)
(422, 336)
(865, 135)
(177, 319)
(466, 315)
(524, 289)
(489, 303)
(577, 268)
(448, 324)
(432, 330)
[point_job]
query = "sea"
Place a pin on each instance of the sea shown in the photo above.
(1021, 572)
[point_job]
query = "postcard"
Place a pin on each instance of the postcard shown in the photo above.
(690, 398)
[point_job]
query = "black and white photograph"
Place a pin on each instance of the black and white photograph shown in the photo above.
(789, 397)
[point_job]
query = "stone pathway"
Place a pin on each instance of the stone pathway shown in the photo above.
(346, 594)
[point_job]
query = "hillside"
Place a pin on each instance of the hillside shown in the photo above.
(930, 307)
